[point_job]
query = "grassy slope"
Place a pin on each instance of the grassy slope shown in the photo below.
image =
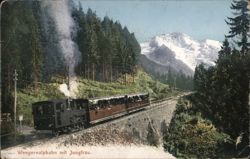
(87, 89)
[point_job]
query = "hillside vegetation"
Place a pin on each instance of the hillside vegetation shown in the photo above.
(34, 35)
(213, 122)
(191, 135)
(141, 82)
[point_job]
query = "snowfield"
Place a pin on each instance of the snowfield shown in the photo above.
(184, 48)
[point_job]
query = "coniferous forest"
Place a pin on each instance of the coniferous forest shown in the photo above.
(218, 111)
(224, 89)
(31, 46)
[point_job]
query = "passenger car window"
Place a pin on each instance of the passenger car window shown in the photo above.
(79, 105)
(72, 105)
(40, 110)
(59, 106)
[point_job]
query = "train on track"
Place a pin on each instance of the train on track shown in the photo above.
(73, 114)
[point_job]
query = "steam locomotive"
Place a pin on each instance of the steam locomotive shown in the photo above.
(73, 114)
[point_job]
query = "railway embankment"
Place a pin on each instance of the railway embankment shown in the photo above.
(138, 130)
(145, 127)
(148, 126)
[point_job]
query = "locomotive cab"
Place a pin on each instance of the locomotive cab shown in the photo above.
(60, 115)
(43, 114)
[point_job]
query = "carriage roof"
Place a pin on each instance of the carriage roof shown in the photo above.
(115, 97)
(93, 100)
(59, 100)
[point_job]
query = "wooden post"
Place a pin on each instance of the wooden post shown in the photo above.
(15, 100)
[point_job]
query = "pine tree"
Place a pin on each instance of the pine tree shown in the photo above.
(225, 49)
(170, 78)
(200, 78)
(108, 49)
(240, 74)
(36, 55)
(239, 25)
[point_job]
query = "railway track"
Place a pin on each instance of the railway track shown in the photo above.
(153, 105)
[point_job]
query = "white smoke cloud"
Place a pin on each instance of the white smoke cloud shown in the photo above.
(73, 89)
(60, 11)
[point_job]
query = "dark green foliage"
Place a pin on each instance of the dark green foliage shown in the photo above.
(223, 93)
(191, 136)
(176, 80)
(108, 50)
(199, 78)
(239, 25)
(164, 128)
(223, 90)
(152, 136)
(30, 44)
(36, 55)
(225, 50)
(18, 48)
(53, 62)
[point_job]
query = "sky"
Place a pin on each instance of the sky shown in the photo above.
(200, 19)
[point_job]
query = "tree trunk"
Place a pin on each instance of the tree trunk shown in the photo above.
(111, 73)
(35, 83)
(103, 71)
(84, 73)
(133, 74)
(9, 79)
(93, 71)
(106, 73)
(125, 78)
(88, 72)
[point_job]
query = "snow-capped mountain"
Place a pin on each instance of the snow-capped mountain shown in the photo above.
(180, 51)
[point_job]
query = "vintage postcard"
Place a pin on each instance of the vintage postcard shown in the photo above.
(155, 79)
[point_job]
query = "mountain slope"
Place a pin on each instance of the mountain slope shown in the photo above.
(141, 82)
(180, 51)
(155, 68)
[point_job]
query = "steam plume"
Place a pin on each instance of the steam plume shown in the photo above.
(60, 11)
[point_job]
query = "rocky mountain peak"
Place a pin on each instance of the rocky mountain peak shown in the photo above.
(182, 48)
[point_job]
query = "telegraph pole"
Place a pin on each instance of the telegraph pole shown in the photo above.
(68, 78)
(68, 86)
(175, 83)
(15, 100)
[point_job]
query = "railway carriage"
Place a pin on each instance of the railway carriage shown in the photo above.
(105, 108)
(69, 114)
